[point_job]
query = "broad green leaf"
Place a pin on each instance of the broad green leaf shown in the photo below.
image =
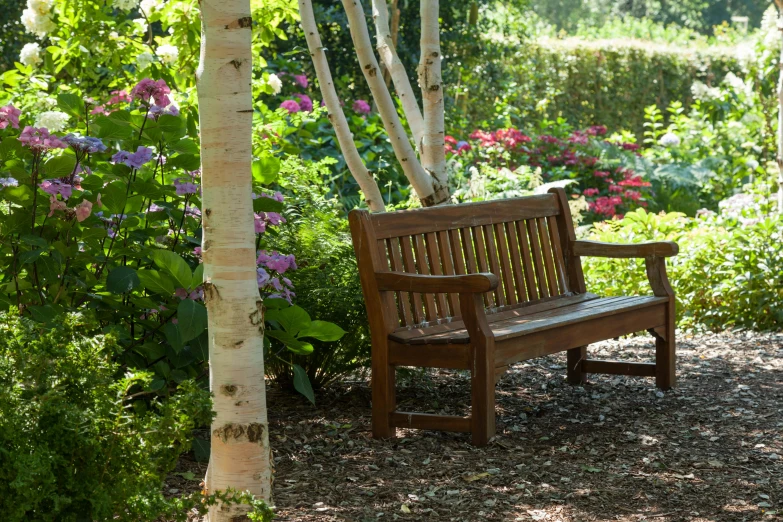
(111, 129)
(263, 204)
(174, 265)
(71, 104)
(275, 303)
(92, 183)
(266, 168)
(185, 146)
(30, 256)
(122, 279)
(171, 331)
(33, 240)
(113, 197)
(171, 124)
(156, 282)
(191, 319)
(59, 166)
(184, 161)
(200, 346)
(291, 342)
(322, 330)
(302, 383)
(42, 314)
(201, 449)
(198, 276)
(292, 319)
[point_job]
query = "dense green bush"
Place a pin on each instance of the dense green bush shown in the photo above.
(729, 272)
(73, 444)
(591, 83)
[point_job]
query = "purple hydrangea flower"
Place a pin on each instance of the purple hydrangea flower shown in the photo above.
(134, 160)
(9, 115)
(84, 144)
(8, 182)
(55, 186)
(39, 139)
(300, 80)
(305, 103)
(362, 107)
(185, 187)
(259, 222)
(276, 261)
(291, 106)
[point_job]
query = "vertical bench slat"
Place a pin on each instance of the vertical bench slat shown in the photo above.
(546, 252)
(494, 265)
(403, 298)
(481, 258)
(458, 252)
(410, 266)
(436, 269)
(516, 260)
(430, 309)
(448, 269)
(530, 275)
(505, 264)
(557, 248)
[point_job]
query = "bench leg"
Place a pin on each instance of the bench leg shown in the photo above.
(383, 401)
(575, 375)
(483, 394)
(665, 358)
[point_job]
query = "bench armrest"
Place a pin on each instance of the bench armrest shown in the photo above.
(619, 250)
(436, 284)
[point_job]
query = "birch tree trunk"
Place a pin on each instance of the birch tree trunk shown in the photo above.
(433, 151)
(336, 115)
(240, 456)
(779, 4)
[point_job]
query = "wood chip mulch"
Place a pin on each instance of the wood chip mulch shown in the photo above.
(614, 449)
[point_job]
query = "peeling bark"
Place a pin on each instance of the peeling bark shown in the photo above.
(240, 456)
(367, 184)
(433, 146)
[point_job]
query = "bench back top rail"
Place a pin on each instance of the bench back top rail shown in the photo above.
(524, 241)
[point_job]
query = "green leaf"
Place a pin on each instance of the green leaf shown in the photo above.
(43, 314)
(302, 383)
(33, 240)
(185, 146)
(156, 282)
(266, 168)
(322, 330)
(30, 256)
(191, 319)
(122, 279)
(70, 103)
(59, 166)
(174, 265)
(198, 276)
(93, 183)
(184, 161)
(171, 331)
(276, 303)
(113, 197)
(200, 346)
(171, 124)
(110, 129)
(263, 204)
(201, 449)
(291, 342)
(292, 319)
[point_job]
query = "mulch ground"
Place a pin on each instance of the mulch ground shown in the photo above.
(614, 449)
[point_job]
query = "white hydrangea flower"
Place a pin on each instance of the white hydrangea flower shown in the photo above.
(144, 60)
(41, 7)
(31, 54)
(54, 121)
(140, 25)
(151, 5)
(36, 23)
(275, 82)
(126, 5)
(45, 102)
(669, 140)
(703, 92)
(751, 163)
(168, 53)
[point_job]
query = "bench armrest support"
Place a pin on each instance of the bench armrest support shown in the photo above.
(436, 284)
(619, 250)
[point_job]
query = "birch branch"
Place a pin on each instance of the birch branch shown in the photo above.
(388, 53)
(421, 182)
(433, 146)
(367, 184)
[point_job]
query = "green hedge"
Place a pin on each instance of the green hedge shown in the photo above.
(606, 82)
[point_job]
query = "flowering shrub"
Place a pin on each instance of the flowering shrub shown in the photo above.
(109, 224)
(578, 157)
(729, 272)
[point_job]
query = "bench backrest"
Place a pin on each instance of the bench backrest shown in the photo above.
(520, 240)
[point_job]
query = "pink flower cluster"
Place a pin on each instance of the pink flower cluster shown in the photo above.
(39, 140)
(277, 284)
(264, 219)
(361, 107)
(149, 89)
(455, 147)
(9, 115)
(117, 97)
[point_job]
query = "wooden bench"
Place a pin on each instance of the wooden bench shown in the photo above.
(480, 286)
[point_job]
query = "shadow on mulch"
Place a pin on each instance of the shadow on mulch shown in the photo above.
(614, 449)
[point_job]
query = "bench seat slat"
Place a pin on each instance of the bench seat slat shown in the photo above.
(528, 322)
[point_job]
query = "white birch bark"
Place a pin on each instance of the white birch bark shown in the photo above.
(421, 182)
(388, 53)
(336, 115)
(240, 455)
(433, 151)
